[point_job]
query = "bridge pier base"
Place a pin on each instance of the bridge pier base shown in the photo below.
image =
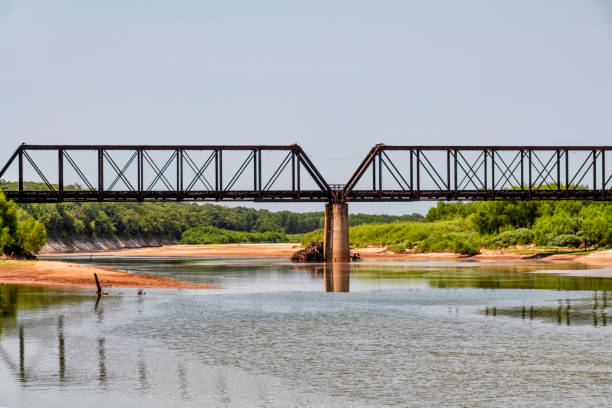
(336, 246)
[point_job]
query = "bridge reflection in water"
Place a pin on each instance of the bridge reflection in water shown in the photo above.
(337, 276)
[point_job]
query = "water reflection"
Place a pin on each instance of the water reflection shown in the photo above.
(102, 363)
(337, 277)
(218, 348)
(61, 348)
(567, 312)
(22, 377)
(142, 372)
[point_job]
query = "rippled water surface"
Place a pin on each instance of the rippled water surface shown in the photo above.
(392, 334)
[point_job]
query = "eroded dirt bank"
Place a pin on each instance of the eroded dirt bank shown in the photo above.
(86, 243)
(51, 273)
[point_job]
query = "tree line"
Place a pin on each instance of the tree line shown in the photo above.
(64, 221)
(466, 228)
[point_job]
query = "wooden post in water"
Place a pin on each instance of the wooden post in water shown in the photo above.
(98, 285)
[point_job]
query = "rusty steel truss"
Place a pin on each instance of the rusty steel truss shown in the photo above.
(192, 179)
(387, 173)
(411, 173)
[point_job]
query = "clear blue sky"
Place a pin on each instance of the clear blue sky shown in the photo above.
(334, 76)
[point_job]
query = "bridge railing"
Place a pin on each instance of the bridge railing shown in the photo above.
(396, 173)
(168, 172)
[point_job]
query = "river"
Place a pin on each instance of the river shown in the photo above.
(406, 334)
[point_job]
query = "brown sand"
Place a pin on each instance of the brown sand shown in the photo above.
(250, 250)
(369, 253)
(49, 273)
(594, 258)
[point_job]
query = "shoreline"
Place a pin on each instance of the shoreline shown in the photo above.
(65, 274)
(52, 273)
(369, 253)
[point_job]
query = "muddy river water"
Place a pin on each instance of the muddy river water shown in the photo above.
(283, 335)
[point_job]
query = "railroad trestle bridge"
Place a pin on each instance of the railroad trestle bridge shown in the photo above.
(273, 173)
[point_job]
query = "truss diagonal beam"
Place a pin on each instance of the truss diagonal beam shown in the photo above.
(120, 172)
(40, 173)
(472, 172)
(508, 171)
(78, 171)
(159, 173)
(199, 172)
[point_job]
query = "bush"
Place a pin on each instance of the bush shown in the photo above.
(565, 240)
(467, 246)
(521, 236)
(597, 224)
(548, 227)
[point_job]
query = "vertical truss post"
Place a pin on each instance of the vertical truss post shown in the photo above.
(60, 174)
(455, 168)
(292, 170)
(220, 170)
(380, 171)
(492, 173)
(558, 169)
(254, 169)
(486, 153)
(373, 175)
(411, 168)
(217, 170)
(603, 174)
(529, 160)
(299, 181)
(259, 174)
(100, 173)
(522, 170)
(448, 177)
(139, 175)
(594, 170)
(566, 173)
(20, 165)
(179, 174)
(418, 173)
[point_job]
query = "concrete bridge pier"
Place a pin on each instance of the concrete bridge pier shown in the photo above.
(336, 246)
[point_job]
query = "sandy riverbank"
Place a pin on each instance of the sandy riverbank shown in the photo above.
(250, 250)
(369, 253)
(69, 274)
(594, 258)
(49, 273)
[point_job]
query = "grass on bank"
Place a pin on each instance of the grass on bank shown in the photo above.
(419, 237)
(459, 235)
(213, 235)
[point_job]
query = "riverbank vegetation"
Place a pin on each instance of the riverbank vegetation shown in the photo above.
(467, 228)
(20, 235)
(458, 227)
(178, 222)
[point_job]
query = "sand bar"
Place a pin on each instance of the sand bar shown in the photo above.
(369, 253)
(51, 273)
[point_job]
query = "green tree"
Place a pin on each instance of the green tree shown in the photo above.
(31, 236)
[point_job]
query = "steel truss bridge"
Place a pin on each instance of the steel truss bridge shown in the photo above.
(285, 173)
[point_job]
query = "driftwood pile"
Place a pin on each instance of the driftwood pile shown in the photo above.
(312, 253)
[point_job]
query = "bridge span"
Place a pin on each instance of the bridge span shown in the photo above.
(273, 173)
